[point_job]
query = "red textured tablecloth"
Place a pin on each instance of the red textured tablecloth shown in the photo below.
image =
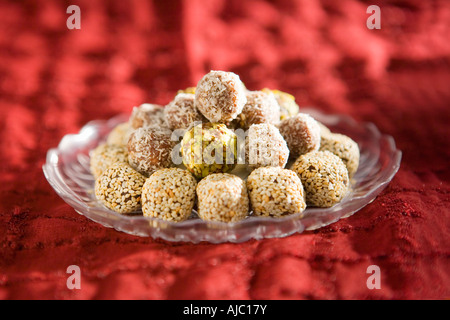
(54, 80)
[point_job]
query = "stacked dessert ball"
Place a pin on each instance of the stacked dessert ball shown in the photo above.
(168, 160)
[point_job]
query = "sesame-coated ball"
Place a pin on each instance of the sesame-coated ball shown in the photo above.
(288, 106)
(261, 107)
(181, 113)
(302, 134)
(209, 148)
(147, 115)
(345, 148)
(169, 194)
(222, 197)
(275, 192)
(150, 149)
(324, 177)
(119, 188)
(220, 96)
(324, 130)
(106, 155)
(265, 146)
(119, 135)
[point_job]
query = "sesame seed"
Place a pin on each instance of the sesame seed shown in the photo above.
(113, 195)
(174, 201)
(329, 184)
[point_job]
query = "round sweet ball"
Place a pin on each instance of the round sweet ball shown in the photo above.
(222, 197)
(147, 115)
(105, 155)
(324, 130)
(324, 177)
(119, 188)
(150, 149)
(288, 106)
(220, 96)
(265, 146)
(119, 135)
(302, 134)
(169, 194)
(261, 107)
(345, 148)
(209, 148)
(275, 192)
(181, 113)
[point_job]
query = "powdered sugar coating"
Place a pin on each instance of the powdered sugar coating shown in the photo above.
(181, 112)
(220, 96)
(119, 188)
(302, 134)
(150, 149)
(261, 107)
(275, 192)
(222, 197)
(147, 115)
(265, 146)
(169, 194)
(324, 177)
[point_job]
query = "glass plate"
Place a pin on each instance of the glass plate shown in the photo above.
(67, 171)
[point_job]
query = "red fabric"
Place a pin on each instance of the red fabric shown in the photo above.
(54, 80)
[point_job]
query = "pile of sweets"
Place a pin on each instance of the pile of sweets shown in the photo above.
(136, 173)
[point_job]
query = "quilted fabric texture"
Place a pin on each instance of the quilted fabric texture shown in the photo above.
(54, 80)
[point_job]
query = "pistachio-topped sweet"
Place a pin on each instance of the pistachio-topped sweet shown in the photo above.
(209, 148)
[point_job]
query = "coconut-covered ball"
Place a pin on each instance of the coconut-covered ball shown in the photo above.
(181, 113)
(119, 188)
(169, 194)
(324, 177)
(302, 134)
(275, 192)
(265, 146)
(150, 149)
(106, 155)
(220, 96)
(222, 197)
(261, 107)
(119, 135)
(147, 115)
(345, 148)
(288, 106)
(209, 148)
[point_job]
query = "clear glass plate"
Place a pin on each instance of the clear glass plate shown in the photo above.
(67, 171)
